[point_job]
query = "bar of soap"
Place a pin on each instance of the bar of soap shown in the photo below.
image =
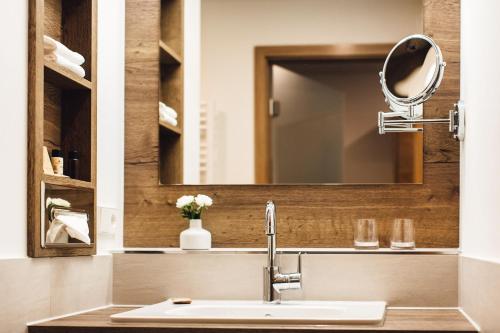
(181, 300)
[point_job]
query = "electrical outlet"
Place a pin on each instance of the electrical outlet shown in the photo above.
(108, 219)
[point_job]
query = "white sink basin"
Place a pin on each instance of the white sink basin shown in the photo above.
(234, 312)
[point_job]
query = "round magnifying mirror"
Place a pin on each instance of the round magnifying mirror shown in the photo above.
(412, 72)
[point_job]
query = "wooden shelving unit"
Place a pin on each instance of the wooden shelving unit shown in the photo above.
(67, 182)
(63, 78)
(62, 115)
(170, 128)
(168, 56)
(171, 79)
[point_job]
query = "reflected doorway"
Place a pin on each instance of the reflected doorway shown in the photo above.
(321, 122)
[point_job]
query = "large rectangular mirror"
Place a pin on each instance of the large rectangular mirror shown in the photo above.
(276, 110)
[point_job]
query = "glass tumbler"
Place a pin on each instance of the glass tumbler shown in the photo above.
(366, 234)
(403, 234)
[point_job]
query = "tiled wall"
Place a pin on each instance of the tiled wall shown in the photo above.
(401, 280)
(34, 289)
(480, 292)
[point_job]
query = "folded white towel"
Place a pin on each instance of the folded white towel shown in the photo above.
(168, 110)
(53, 46)
(63, 62)
(57, 233)
(74, 225)
(169, 120)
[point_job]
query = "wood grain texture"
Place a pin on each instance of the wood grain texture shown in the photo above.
(442, 23)
(171, 144)
(79, 30)
(76, 130)
(171, 25)
(308, 215)
(52, 116)
(397, 320)
(150, 24)
(168, 55)
(67, 182)
(61, 113)
(64, 78)
(172, 88)
(52, 19)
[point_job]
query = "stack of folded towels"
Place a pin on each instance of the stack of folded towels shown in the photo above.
(57, 52)
(167, 114)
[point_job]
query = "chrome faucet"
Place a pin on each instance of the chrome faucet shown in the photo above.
(274, 280)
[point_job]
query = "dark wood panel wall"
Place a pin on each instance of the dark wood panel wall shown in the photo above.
(308, 215)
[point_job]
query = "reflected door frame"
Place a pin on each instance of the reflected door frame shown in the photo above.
(263, 58)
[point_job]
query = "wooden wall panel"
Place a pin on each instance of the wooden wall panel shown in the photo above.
(308, 215)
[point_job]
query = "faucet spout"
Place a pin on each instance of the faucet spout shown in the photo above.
(271, 233)
(274, 280)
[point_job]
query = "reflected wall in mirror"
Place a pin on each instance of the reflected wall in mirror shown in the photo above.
(411, 68)
(320, 126)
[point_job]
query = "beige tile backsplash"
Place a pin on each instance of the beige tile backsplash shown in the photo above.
(401, 280)
(480, 292)
(34, 289)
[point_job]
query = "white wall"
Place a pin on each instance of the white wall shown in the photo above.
(480, 164)
(110, 122)
(13, 127)
(192, 32)
(13, 132)
(231, 29)
(480, 157)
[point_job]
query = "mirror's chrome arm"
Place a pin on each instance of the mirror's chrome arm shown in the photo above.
(456, 121)
(419, 121)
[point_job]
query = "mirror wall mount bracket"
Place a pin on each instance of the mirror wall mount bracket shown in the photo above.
(416, 64)
(456, 122)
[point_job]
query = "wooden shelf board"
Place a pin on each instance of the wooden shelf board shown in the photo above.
(168, 55)
(67, 181)
(170, 127)
(63, 78)
(68, 245)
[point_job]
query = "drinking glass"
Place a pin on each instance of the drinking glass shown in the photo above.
(365, 234)
(403, 234)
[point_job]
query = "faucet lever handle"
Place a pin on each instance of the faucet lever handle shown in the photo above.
(299, 262)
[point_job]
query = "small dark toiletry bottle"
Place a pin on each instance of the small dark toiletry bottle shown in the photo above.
(73, 164)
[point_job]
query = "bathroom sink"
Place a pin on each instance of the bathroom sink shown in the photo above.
(234, 312)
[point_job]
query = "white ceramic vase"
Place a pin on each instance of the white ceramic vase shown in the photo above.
(195, 238)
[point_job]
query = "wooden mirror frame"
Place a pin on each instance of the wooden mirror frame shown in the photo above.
(308, 215)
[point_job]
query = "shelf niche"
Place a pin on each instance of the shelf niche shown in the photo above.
(70, 22)
(171, 90)
(62, 115)
(67, 125)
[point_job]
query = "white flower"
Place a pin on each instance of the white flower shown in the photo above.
(57, 202)
(203, 200)
(184, 201)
